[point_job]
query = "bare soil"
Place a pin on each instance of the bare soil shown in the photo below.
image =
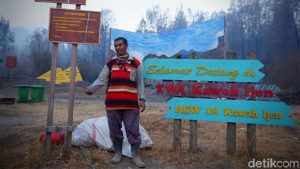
(22, 123)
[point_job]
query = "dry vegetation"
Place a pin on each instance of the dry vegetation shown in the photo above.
(21, 125)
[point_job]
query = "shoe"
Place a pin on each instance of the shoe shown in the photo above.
(136, 158)
(117, 157)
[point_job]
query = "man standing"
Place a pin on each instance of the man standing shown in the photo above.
(124, 96)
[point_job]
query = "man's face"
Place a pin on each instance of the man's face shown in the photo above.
(120, 47)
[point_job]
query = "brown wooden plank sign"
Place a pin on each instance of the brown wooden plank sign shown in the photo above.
(79, 2)
(74, 26)
(11, 61)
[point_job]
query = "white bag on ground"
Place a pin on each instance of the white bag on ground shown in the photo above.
(95, 132)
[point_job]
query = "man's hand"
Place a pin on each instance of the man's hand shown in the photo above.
(88, 91)
(142, 105)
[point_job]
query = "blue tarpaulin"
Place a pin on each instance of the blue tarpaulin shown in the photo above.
(199, 37)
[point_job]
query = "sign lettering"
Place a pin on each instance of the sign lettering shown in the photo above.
(237, 111)
(203, 70)
(218, 90)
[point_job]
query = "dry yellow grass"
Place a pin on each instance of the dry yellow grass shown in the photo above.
(20, 147)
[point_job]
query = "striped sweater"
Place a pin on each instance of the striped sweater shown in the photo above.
(125, 83)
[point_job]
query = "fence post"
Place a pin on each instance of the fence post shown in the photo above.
(251, 128)
(231, 127)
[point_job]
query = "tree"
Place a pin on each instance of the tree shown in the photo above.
(6, 42)
(39, 52)
(156, 20)
(6, 35)
(142, 27)
(198, 17)
(271, 28)
(91, 58)
(180, 20)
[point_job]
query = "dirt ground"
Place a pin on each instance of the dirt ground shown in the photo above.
(22, 123)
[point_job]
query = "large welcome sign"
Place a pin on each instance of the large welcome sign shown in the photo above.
(221, 108)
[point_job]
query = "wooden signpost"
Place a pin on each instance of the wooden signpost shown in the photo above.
(231, 126)
(193, 125)
(177, 126)
(251, 128)
(235, 78)
(76, 27)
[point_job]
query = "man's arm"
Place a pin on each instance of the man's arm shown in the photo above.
(100, 81)
(140, 83)
(141, 87)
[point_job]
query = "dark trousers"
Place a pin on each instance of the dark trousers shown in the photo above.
(130, 118)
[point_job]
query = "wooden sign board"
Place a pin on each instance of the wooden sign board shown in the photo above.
(236, 111)
(74, 26)
(79, 2)
(203, 70)
(11, 61)
(218, 90)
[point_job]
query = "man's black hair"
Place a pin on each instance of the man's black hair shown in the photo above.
(122, 39)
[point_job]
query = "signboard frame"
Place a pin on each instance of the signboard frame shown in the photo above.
(51, 33)
(78, 2)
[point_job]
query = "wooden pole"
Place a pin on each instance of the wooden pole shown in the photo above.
(177, 127)
(51, 93)
(231, 138)
(68, 138)
(231, 127)
(176, 134)
(193, 136)
(251, 128)
(193, 125)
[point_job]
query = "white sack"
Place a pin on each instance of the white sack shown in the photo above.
(95, 132)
